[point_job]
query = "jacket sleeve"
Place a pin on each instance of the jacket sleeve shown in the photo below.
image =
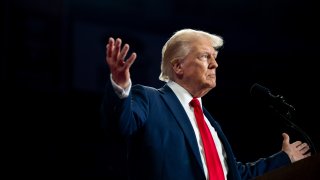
(124, 116)
(263, 165)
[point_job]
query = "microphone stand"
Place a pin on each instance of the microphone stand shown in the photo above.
(287, 115)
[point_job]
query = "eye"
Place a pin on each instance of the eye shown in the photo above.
(204, 56)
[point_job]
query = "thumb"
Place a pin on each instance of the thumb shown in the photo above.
(286, 138)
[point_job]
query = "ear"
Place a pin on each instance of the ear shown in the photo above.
(177, 67)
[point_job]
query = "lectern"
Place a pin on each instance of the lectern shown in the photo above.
(305, 169)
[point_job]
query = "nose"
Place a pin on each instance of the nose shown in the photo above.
(212, 63)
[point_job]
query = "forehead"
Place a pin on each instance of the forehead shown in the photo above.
(203, 45)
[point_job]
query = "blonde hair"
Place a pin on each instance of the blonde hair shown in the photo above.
(178, 47)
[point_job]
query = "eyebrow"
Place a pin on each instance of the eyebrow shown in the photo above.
(215, 53)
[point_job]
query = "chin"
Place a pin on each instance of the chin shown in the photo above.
(211, 85)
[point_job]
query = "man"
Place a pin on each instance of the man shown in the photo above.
(164, 138)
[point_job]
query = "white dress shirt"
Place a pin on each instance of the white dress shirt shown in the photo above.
(185, 97)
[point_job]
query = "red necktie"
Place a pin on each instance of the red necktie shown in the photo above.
(215, 171)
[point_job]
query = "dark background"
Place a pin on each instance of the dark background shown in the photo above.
(53, 75)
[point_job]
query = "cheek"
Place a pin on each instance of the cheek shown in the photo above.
(197, 69)
(204, 69)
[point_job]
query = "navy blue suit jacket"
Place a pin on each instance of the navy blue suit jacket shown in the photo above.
(161, 140)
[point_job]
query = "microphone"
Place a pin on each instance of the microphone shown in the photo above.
(285, 110)
(276, 102)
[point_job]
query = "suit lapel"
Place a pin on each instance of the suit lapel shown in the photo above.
(217, 127)
(230, 156)
(182, 119)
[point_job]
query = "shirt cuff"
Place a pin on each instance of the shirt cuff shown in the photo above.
(122, 93)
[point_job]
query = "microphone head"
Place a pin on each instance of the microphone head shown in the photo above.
(260, 91)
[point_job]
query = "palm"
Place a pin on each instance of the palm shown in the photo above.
(296, 150)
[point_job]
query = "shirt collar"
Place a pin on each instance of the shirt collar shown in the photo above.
(183, 95)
